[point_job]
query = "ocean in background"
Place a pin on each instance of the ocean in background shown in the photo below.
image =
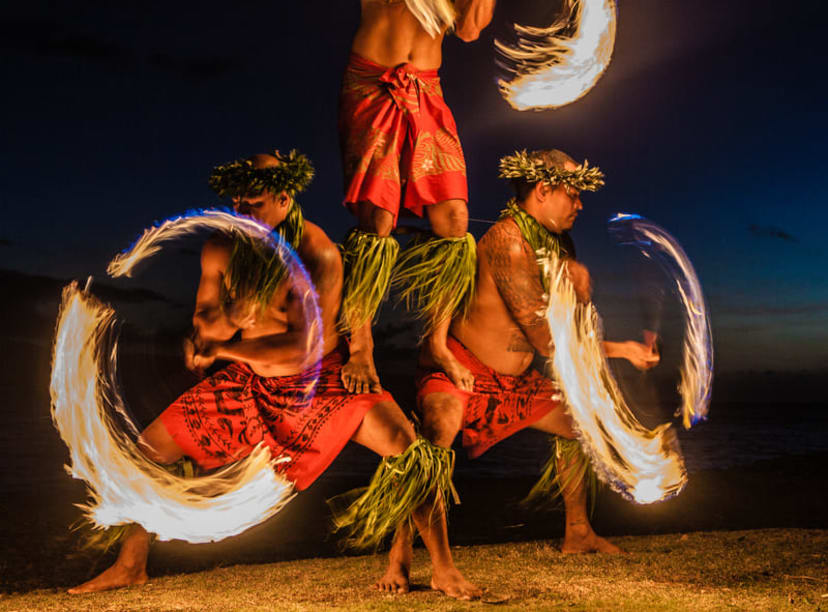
(734, 435)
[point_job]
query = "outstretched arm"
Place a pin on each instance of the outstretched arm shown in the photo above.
(515, 271)
(641, 356)
(472, 18)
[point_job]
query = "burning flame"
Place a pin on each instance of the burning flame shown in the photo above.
(643, 465)
(697, 364)
(125, 486)
(556, 65)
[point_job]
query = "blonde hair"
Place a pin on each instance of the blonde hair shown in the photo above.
(434, 15)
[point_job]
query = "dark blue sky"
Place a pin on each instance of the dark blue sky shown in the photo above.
(711, 121)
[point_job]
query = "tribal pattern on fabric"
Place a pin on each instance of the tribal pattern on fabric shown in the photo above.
(437, 277)
(399, 140)
(499, 406)
(225, 416)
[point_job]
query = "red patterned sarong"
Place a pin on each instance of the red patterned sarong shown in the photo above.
(225, 416)
(499, 406)
(399, 140)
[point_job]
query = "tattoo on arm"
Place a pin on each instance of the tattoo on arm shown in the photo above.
(515, 271)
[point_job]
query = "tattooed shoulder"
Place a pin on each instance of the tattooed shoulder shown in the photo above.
(502, 242)
(514, 271)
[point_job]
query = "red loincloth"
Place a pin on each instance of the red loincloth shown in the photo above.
(399, 140)
(499, 406)
(221, 419)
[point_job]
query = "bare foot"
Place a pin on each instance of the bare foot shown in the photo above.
(581, 538)
(459, 374)
(395, 579)
(451, 583)
(359, 375)
(115, 577)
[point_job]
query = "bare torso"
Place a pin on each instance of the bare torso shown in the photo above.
(491, 330)
(390, 35)
(285, 312)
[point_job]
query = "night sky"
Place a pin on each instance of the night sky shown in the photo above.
(710, 121)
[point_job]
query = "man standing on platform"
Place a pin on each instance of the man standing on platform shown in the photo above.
(400, 149)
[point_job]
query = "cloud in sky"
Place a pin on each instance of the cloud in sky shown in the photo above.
(771, 231)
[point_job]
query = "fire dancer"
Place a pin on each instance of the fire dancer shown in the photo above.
(505, 332)
(400, 148)
(254, 399)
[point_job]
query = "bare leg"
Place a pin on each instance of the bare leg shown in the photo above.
(395, 578)
(444, 359)
(579, 536)
(386, 431)
(449, 219)
(359, 375)
(130, 568)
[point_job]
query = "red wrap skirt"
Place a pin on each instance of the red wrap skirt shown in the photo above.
(499, 406)
(399, 139)
(225, 416)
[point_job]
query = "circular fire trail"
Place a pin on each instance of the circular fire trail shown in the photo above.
(697, 366)
(125, 486)
(643, 465)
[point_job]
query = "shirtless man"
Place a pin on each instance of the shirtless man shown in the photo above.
(504, 331)
(400, 148)
(254, 399)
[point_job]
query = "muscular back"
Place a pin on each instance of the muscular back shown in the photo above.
(390, 35)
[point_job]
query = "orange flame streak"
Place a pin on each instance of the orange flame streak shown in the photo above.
(643, 465)
(557, 65)
(125, 486)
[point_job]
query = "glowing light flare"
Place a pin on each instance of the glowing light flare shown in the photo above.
(556, 65)
(125, 486)
(656, 243)
(643, 465)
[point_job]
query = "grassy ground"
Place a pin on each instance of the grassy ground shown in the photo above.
(769, 569)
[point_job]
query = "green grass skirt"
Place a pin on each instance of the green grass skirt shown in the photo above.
(437, 277)
(549, 488)
(369, 260)
(401, 484)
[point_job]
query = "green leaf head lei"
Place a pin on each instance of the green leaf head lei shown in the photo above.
(240, 178)
(532, 168)
(255, 270)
